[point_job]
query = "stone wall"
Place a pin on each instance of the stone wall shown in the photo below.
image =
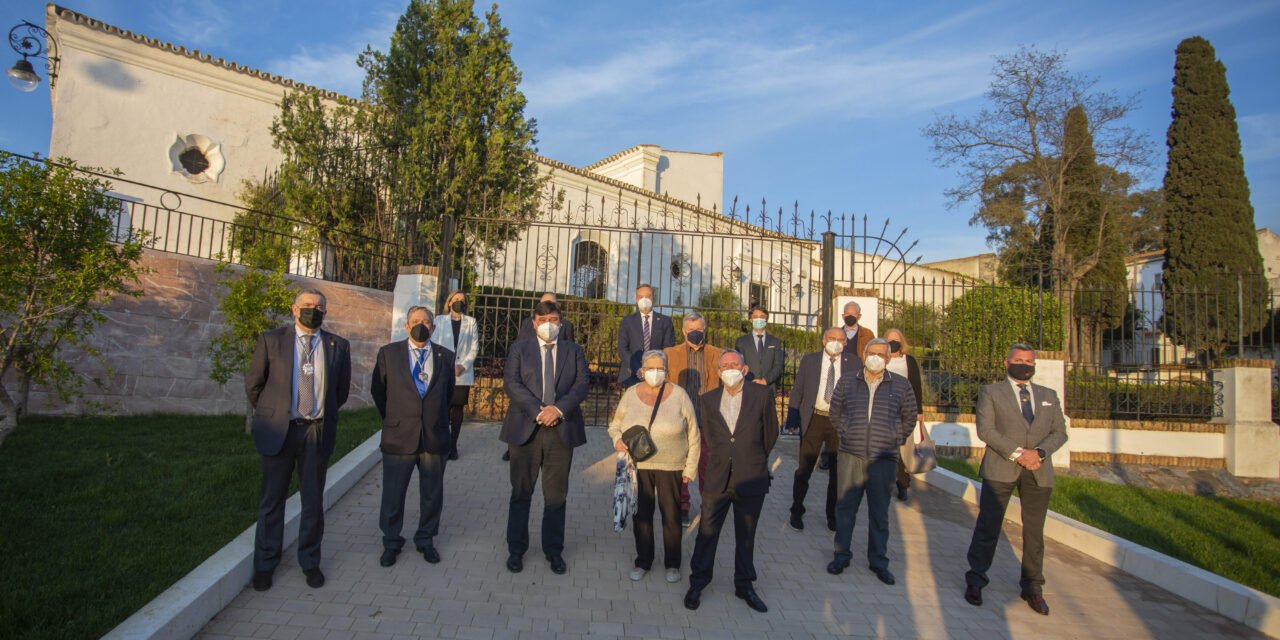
(157, 345)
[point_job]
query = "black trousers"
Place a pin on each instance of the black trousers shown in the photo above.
(746, 516)
(456, 409)
(874, 478)
(548, 454)
(661, 489)
(818, 433)
(396, 473)
(301, 451)
(992, 504)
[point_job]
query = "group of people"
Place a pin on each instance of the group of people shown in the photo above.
(709, 411)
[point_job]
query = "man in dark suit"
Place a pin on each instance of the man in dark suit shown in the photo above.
(546, 381)
(740, 425)
(527, 331)
(763, 351)
(809, 412)
(639, 332)
(298, 378)
(413, 384)
(874, 412)
(1022, 425)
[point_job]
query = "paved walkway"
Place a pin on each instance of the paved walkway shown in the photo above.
(471, 595)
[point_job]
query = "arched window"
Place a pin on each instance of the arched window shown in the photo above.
(590, 277)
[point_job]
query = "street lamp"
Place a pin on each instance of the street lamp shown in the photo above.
(29, 40)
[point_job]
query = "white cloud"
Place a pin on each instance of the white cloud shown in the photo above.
(333, 66)
(198, 24)
(1260, 137)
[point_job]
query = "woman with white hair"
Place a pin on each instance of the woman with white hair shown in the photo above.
(666, 412)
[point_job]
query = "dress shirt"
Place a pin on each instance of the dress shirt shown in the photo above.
(821, 403)
(872, 386)
(427, 364)
(1017, 397)
(317, 360)
(851, 333)
(542, 358)
(730, 407)
(759, 341)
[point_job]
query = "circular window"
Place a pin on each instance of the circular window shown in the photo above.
(193, 161)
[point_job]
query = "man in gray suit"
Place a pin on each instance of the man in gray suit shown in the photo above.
(1022, 425)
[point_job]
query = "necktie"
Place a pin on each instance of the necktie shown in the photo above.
(1025, 396)
(420, 378)
(646, 333)
(831, 382)
(548, 376)
(307, 377)
(760, 344)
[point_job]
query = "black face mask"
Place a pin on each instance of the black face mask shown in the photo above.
(460, 307)
(695, 337)
(850, 321)
(310, 317)
(895, 346)
(419, 332)
(1021, 371)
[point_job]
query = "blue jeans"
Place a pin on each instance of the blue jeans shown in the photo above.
(854, 477)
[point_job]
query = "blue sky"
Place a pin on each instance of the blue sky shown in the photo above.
(820, 102)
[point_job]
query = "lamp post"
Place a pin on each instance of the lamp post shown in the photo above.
(29, 40)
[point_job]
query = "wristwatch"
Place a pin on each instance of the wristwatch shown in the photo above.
(1040, 451)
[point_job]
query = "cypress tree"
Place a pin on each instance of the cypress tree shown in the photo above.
(1093, 234)
(1212, 243)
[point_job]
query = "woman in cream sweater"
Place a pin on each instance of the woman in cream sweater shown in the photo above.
(658, 479)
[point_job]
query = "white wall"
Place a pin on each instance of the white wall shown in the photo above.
(692, 177)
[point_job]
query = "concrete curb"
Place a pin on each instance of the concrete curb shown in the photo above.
(184, 608)
(1243, 604)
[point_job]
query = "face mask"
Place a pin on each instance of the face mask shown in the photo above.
(419, 332)
(695, 337)
(310, 317)
(834, 348)
(655, 377)
(895, 346)
(645, 304)
(548, 331)
(850, 321)
(460, 307)
(759, 324)
(874, 363)
(1021, 371)
(731, 377)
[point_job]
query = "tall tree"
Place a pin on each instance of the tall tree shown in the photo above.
(1213, 246)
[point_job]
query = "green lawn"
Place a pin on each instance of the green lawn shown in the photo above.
(99, 515)
(1235, 538)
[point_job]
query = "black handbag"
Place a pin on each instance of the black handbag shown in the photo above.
(639, 443)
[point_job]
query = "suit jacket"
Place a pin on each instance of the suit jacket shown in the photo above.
(269, 386)
(468, 344)
(678, 366)
(662, 334)
(859, 346)
(529, 332)
(1003, 429)
(741, 457)
(410, 423)
(767, 365)
(804, 393)
(522, 380)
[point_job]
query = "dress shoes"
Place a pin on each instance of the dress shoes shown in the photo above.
(388, 557)
(836, 567)
(902, 494)
(823, 463)
(558, 566)
(453, 455)
(693, 599)
(685, 519)
(506, 456)
(797, 522)
(884, 575)
(515, 564)
(1037, 603)
(430, 554)
(315, 578)
(261, 580)
(831, 524)
(752, 598)
(973, 595)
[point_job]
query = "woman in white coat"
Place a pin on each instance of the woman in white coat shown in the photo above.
(456, 331)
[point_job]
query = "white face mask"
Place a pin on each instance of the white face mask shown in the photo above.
(548, 331)
(834, 348)
(874, 363)
(645, 304)
(655, 377)
(731, 377)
